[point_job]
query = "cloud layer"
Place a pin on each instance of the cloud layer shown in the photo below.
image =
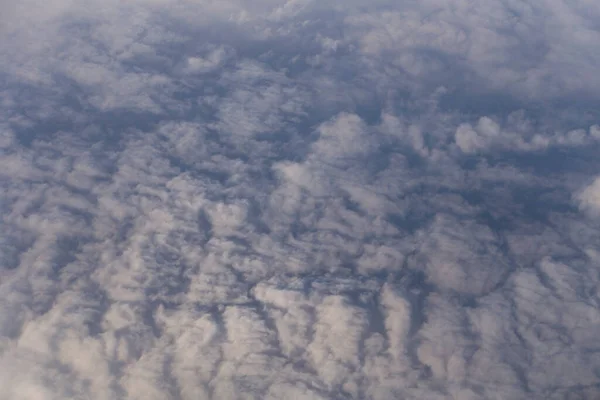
(299, 200)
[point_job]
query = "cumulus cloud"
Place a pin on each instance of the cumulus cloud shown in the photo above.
(487, 135)
(589, 198)
(274, 199)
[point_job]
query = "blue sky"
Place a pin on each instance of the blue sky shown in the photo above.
(265, 199)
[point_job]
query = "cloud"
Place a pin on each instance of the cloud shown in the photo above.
(434, 39)
(274, 199)
(589, 198)
(462, 256)
(487, 135)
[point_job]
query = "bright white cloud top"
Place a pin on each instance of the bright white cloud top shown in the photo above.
(264, 199)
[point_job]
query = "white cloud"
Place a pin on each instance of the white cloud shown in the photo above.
(213, 60)
(487, 135)
(345, 137)
(589, 198)
(275, 199)
(463, 256)
(432, 38)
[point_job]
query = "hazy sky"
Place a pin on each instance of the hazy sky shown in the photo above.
(261, 199)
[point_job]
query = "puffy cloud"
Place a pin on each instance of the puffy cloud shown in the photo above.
(275, 199)
(487, 135)
(589, 198)
(470, 140)
(462, 256)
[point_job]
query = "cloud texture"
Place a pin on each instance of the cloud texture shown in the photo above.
(264, 199)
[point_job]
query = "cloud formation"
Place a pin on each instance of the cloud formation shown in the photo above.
(274, 199)
(589, 198)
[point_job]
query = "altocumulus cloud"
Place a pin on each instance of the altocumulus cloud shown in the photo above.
(299, 200)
